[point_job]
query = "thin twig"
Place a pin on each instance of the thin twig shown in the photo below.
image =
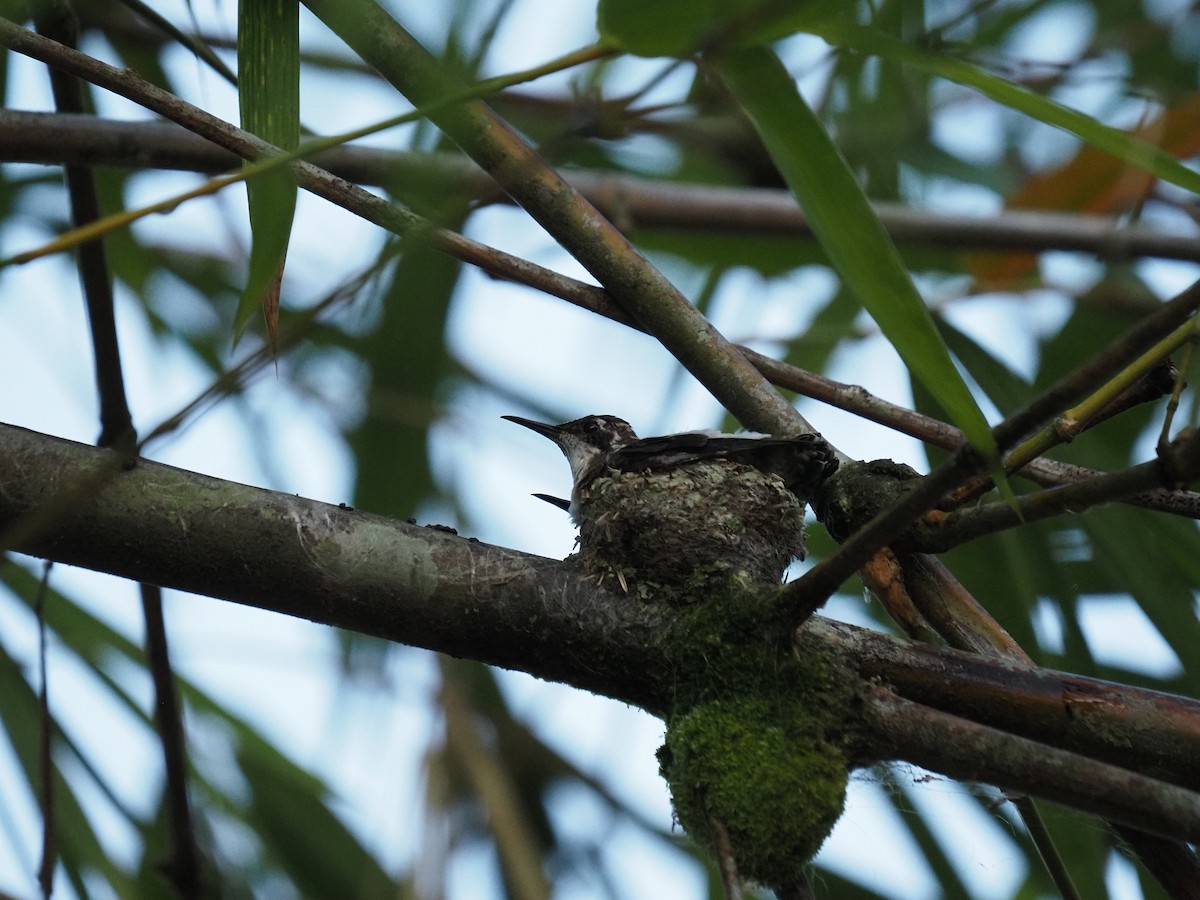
(46, 736)
(630, 200)
(963, 525)
(57, 21)
(1043, 841)
(183, 870)
(726, 860)
(1104, 401)
(1099, 368)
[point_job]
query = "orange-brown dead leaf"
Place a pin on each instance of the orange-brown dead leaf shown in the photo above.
(1092, 182)
(270, 308)
(884, 578)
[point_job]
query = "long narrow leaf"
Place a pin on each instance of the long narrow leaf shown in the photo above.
(269, 95)
(848, 230)
(1121, 144)
(75, 840)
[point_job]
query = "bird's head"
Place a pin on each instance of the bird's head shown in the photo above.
(584, 441)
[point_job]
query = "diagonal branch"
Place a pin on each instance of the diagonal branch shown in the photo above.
(637, 286)
(1100, 367)
(385, 214)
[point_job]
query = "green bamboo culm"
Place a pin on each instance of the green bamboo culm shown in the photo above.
(269, 99)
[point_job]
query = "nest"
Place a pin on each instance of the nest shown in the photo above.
(678, 529)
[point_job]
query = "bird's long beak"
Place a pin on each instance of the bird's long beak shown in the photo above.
(580, 454)
(553, 432)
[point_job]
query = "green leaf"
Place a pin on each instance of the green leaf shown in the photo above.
(1004, 387)
(410, 369)
(289, 811)
(77, 843)
(849, 231)
(1119, 143)
(269, 96)
(1153, 557)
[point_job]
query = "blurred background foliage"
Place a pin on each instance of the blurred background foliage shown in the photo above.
(403, 378)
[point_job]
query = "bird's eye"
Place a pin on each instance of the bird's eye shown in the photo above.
(591, 427)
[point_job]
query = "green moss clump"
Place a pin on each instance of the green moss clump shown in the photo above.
(859, 491)
(738, 642)
(759, 770)
(756, 733)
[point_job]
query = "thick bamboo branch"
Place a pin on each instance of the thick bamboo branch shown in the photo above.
(424, 587)
(1146, 731)
(330, 564)
(969, 751)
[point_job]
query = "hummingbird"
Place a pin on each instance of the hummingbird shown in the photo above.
(677, 508)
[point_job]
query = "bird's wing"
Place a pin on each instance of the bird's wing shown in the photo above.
(800, 461)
